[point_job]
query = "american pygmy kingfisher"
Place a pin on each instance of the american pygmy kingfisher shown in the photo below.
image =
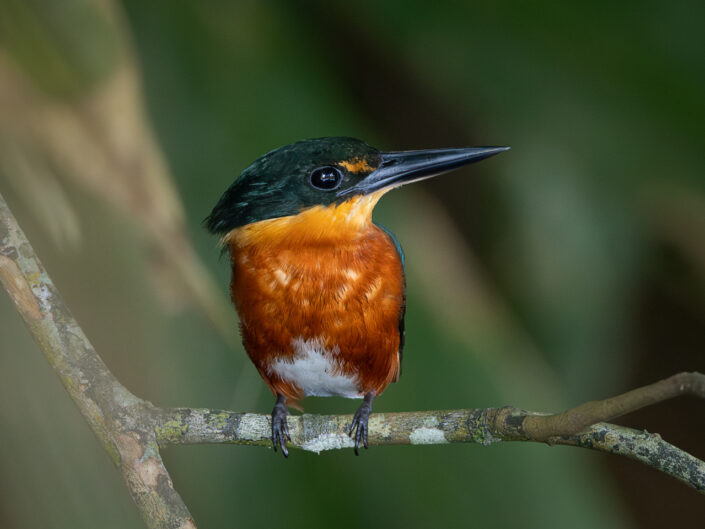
(320, 287)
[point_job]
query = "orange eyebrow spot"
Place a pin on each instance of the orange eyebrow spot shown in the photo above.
(357, 165)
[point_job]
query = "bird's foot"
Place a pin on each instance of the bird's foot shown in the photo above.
(358, 427)
(280, 428)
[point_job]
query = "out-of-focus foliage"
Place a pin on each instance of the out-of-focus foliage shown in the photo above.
(72, 110)
(570, 268)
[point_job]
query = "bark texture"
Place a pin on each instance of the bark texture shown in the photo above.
(133, 430)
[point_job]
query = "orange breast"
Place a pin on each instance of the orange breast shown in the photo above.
(334, 298)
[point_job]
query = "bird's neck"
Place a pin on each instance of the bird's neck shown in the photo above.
(317, 225)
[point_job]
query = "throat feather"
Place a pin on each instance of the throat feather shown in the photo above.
(347, 220)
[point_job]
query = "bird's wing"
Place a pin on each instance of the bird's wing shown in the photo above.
(402, 310)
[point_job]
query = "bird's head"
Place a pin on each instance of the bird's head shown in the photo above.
(342, 175)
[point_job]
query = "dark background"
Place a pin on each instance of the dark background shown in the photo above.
(570, 268)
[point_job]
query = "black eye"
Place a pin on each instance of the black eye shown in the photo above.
(326, 178)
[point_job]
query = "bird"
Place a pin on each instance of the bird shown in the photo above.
(319, 287)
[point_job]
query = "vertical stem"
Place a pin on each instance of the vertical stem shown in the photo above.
(123, 423)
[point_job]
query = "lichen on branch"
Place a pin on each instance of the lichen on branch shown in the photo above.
(133, 430)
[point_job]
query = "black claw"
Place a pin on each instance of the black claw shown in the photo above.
(359, 422)
(280, 428)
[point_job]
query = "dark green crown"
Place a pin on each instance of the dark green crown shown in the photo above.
(327, 171)
(284, 181)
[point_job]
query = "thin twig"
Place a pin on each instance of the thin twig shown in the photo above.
(132, 430)
(575, 420)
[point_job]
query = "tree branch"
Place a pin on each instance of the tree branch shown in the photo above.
(121, 421)
(318, 433)
(133, 430)
(575, 420)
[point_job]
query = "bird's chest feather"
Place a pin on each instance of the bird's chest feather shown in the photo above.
(321, 315)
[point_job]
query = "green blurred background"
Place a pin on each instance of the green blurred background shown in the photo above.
(568, 269)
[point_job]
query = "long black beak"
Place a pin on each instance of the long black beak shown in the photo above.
(404, 167)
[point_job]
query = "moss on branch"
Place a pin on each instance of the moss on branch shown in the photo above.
(133, 430)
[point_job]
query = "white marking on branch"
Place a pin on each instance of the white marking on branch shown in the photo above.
(427, 436)
(328, 441)
(252, 427)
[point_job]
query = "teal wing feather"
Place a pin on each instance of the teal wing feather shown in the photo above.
(402, 310)
(394, 239)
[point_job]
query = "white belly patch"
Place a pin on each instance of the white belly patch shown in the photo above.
(316, 371)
